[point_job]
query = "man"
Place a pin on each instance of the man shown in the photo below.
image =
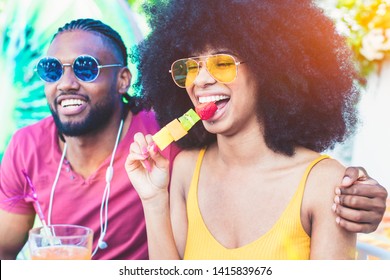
(75, 158)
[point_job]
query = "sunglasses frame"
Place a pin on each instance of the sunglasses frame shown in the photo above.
(198, 61)
(99, 66)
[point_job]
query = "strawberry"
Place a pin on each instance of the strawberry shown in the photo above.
(206, 110)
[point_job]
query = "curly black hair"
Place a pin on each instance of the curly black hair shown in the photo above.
(307, 79)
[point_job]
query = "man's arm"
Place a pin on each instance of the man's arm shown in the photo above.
(13, 233)
(360, 201)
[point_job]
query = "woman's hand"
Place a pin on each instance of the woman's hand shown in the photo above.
(147, 169)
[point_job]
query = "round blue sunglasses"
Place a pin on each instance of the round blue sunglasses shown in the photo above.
(85, 67)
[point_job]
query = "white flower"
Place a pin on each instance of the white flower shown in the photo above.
(375, 43)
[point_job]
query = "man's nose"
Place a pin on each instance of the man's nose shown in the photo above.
(68, 79)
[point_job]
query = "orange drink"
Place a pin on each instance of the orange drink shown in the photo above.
(60, 242)
(61, 253)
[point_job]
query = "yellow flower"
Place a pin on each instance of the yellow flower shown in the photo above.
(375, 43)
(368, 30)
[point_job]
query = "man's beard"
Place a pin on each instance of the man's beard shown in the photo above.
(98, 118)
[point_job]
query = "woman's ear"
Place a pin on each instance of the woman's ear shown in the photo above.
(124, 80)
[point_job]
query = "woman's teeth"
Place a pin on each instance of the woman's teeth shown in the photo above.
(212, 98)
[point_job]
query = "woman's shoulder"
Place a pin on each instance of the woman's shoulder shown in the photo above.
(323, 174)
(330, 169)
(186, 160)
(322, 166)
(323, 178)
(185, 155)
(184, 167)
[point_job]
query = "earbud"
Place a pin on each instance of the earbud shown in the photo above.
(102, 244)
(106, 194)
(109, 174)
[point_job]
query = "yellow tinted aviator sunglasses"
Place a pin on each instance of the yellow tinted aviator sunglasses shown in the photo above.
(222, 67)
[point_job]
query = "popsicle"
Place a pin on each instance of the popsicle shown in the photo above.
(176, 129)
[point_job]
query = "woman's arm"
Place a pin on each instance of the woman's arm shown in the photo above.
(328, 240)
(148, 171)
(161, 242)
(183, 169)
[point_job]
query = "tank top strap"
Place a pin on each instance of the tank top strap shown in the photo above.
(195, 176)
(303, 181)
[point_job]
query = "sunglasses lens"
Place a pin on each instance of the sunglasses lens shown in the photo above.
(86, 68)
(192, 71)
(222, 67)
(184, 72)
(179, 72)
(49, 69)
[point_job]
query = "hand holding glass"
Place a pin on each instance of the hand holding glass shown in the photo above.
(60, 242)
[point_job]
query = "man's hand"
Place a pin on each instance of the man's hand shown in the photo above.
(360, 201)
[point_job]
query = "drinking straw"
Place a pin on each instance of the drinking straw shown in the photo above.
(33, 196)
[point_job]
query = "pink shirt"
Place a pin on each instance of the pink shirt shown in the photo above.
(77, 201)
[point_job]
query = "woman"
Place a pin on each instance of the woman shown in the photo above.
(251, 182)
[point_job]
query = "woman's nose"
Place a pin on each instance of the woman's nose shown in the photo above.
(204, 77)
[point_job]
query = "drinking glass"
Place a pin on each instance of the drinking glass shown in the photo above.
(60, 242)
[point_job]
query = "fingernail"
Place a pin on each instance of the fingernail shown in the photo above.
(146, 164)
(337, 199)
(346, 180)
(144, 150)
(334, 206)
(153, 147)
(338, 191)
(338, 220)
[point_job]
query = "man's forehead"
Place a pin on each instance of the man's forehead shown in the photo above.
(77, 42)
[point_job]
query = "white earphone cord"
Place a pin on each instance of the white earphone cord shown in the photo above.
(55, 184)
(106, 194)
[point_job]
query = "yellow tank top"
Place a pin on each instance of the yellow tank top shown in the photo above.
(285, 240)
